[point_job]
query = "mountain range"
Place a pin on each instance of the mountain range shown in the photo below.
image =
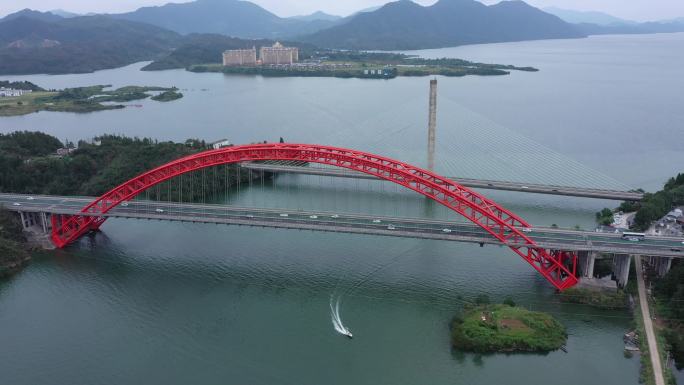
(235, 18)
(405, 25)
(181, 34)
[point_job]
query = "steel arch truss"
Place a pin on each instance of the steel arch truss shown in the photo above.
(558, 267)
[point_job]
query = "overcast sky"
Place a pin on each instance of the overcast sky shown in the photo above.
(640, 10)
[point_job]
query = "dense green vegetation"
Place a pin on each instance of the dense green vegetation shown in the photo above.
(81, 99)
(90, 170)
(599, 298)
(13, 253)
(604, 217)
(167, 96)
(669, 293)
(23, 85)
(655, 206)
(28, 166)
(503, 328)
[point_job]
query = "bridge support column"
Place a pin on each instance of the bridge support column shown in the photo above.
(44, 222)
(662, 265)
(621, 265)
(27, 220)
(586, 263)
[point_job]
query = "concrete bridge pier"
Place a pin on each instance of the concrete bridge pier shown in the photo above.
(621, 265)
(662, 265)
(587, 259)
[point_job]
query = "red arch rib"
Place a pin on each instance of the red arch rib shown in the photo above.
(558, 267)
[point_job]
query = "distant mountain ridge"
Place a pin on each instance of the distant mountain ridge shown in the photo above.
(234, 18)
(590, 17)
(626, 29)
(80, 44)
(31, 14)
(405, 25)
(318, 15)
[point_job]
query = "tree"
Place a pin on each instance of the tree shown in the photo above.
(604, 217)
(509, 301)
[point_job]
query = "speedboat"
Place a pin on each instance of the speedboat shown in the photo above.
(348, 334)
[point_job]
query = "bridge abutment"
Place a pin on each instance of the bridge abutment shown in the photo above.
(33, 222)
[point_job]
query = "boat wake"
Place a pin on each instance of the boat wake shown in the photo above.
(335, 316)
(335, 301)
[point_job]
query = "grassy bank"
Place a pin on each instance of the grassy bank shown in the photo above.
(504, 328)
(599, 298)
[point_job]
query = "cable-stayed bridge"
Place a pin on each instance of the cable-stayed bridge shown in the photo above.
(584, 192)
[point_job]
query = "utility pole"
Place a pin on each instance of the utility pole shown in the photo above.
(432, 125)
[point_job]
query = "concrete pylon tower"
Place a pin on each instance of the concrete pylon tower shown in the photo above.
(432, 125)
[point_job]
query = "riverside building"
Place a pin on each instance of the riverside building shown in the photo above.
(278, 54)
(240, 57)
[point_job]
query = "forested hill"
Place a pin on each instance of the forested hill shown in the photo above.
(27, 164)
(404, 25)
(30, 45)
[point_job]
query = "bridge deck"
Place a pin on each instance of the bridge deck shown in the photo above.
(348, 223)
(474, 183)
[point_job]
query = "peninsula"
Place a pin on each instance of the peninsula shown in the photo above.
(346, 64)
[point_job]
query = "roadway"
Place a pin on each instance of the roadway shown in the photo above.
(550, 238)
(474, 183)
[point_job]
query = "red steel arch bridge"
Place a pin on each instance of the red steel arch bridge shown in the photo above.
(557, 266)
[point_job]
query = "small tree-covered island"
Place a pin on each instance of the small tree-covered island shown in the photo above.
(503, 328)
